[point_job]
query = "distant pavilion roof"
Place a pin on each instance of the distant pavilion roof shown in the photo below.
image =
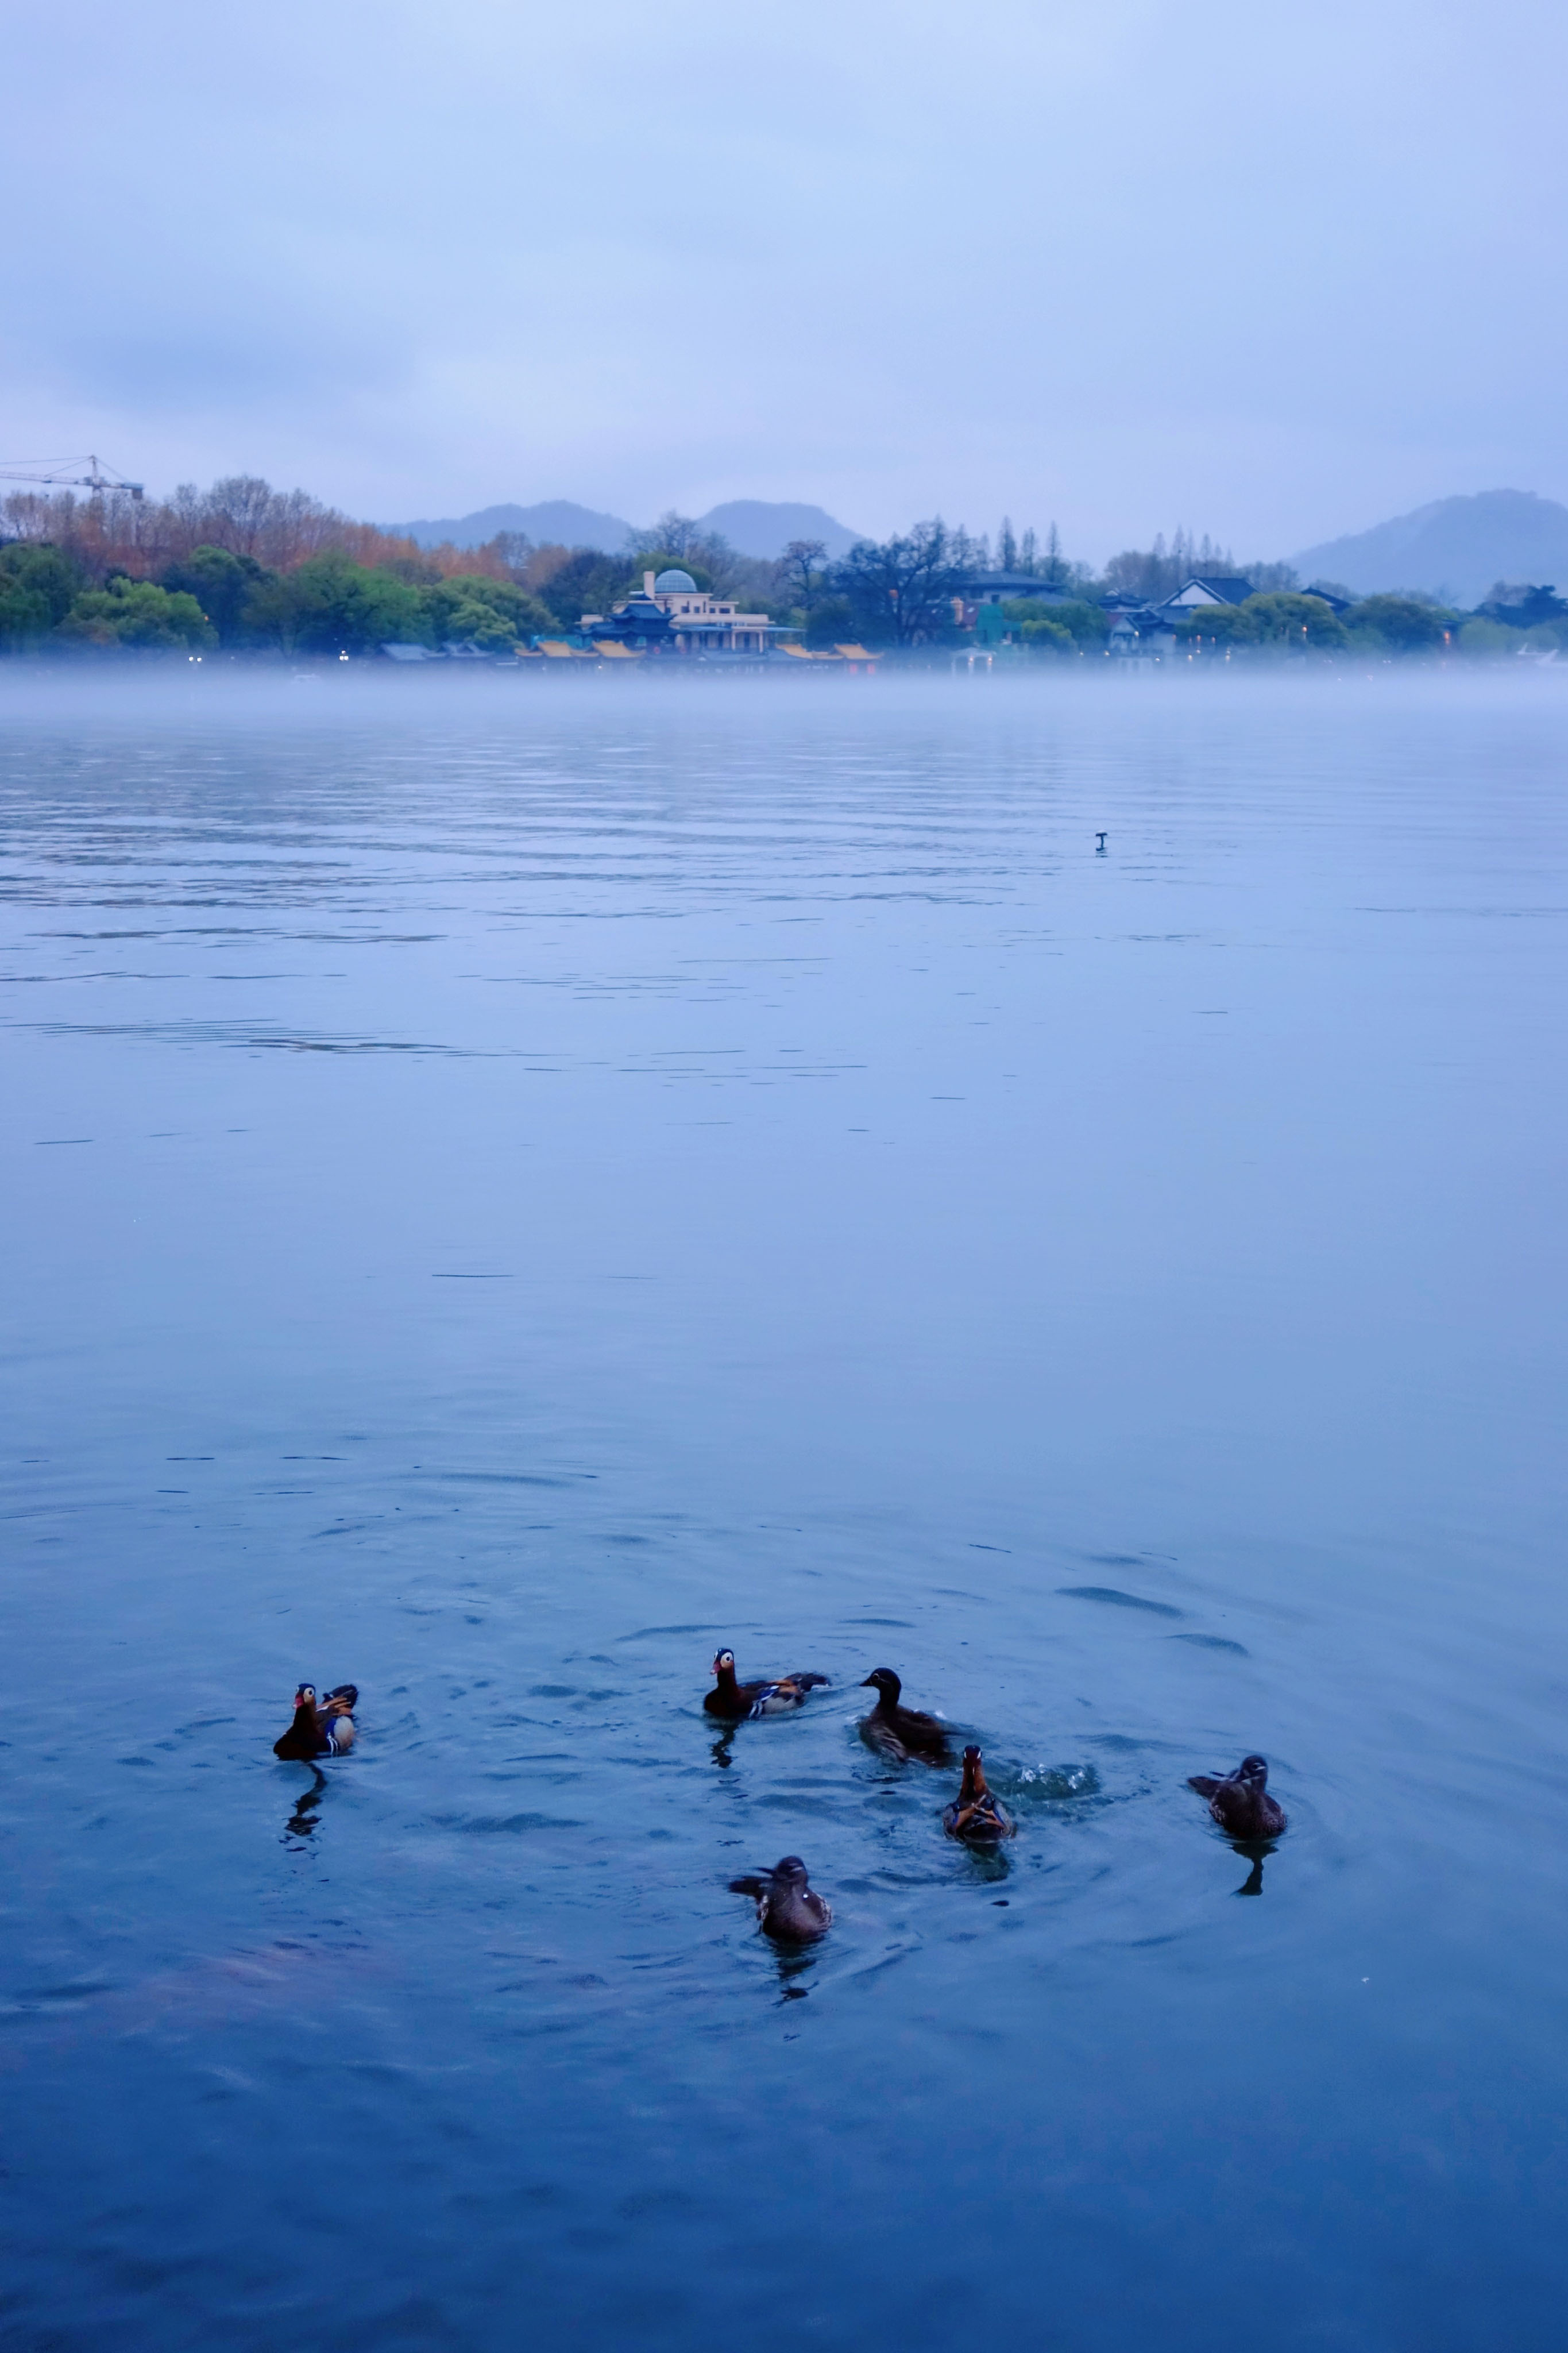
(1223, 588)
(992, 588)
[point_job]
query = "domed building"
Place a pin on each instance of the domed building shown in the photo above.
(673, 615)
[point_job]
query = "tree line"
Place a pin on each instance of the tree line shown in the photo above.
(242, 567)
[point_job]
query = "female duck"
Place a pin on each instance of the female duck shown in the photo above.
(974, 1815)
(789, 1909)
(326, 1730)
(738, 1700)
(899, 1731)
(1240, 1802)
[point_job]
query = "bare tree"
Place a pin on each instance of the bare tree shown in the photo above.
(675, 539)
(904, 587)
(805, 566)
(673, 535)
(235, 512)
(511, 550)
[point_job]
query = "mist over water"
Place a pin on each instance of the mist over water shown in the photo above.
(514, 1184)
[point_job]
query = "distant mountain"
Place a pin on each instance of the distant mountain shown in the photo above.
(761, 527)
(554, 520)
(1455, 548)
(751, 526)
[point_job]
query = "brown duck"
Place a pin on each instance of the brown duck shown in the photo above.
(787, 1907)
(974, 1815)
(1240, 1802)
(902, 1732)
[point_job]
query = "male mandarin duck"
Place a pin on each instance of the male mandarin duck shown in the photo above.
(324, 1729)
(738, 1700)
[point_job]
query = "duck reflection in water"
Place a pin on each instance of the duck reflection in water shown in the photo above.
(1253, 1883)
(301, 1823)
(794, 1968)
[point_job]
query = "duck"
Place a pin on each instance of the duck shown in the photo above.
(788, 1908)
(974, 1815)
(336, 1716)
(318, 1731)
(1239, 1802)
(902, 1732)
(738, 1700)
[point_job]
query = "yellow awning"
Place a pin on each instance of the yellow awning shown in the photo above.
(858, 653)
(617, 652)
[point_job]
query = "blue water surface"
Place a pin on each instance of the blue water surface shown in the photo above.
(509, 1184)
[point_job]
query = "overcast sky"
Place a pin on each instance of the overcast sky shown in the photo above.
(1272, 274)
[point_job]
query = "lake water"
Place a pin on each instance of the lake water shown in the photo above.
(509, 1189)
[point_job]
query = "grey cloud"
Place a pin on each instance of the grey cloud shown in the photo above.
(1274, 278)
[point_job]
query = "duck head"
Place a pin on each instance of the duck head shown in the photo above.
(973, 1777)
(790, 1873)
(723, 1663)
(1253, 1774)
(304, 1697)
(883, 1680)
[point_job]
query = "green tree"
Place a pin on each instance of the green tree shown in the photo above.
(1402, 624)
(221, 583)
(1084, 624)
(1479, 636)
(1281, 619)
(271, 613)
(1285, 618)
(480, 624)
(36, 588)
(136, 613)
(1521, 604)
(588, 583)
(1220, 625)
(332, 604)
(831, 622)
(1019, 611)
(474, 609)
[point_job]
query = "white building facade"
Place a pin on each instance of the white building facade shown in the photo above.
(703, 624)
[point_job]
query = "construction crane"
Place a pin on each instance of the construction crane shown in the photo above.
(56, 472)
